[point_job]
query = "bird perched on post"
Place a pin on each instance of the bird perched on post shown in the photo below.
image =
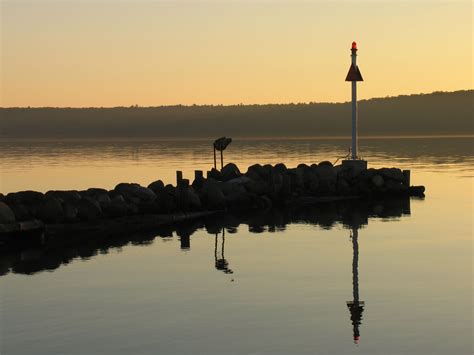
(220, 145)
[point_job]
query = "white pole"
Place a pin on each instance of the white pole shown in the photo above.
(354, 109)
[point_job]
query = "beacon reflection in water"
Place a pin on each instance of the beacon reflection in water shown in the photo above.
(356, 306)
(351, 214)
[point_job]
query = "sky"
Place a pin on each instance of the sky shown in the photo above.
(82, 53)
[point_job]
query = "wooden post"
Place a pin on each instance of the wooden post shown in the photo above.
(406, 174)
(179, 177)
(198, 174)
(215, 162)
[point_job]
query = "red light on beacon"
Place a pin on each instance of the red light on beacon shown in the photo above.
(354, 45)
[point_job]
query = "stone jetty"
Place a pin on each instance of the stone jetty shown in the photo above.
(260, 188)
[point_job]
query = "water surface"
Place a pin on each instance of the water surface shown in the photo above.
(290, 281)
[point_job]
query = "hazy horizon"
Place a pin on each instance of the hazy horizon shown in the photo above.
(441, 113)
(244, 104)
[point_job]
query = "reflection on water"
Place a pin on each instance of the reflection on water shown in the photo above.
(57, 250)
(81, 164)
(285, 281)
(57, 247)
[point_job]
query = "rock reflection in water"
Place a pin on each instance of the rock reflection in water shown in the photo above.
(65, 248)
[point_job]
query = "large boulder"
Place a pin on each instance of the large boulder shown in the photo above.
(343, 187)
(6, 214)
(70, 196)
(167, 199)
(378, 181)
(135, 191)
(51, 211)
(327, 177)
(25, 197)
(157, 186)
(392, 173)
(32, 200)
(118, 207)
(100, 195)
(257, 187)
(325, 163)
(281, 168)
(188, 200)
(213, 198)
(70, 212)
(395, 186)
(241, 201)
(21, 212)
(232, 186)
(296, 180)
(88, 209)
(230, 171)
(255, 171)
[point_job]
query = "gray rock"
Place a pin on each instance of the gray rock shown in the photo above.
(70, 212)
(70, 196)
(189, 200)
(21, 212)
(417, 191)
(267, 170)
(378, 181)
(326, 163)
(240, 202)
(395, 186)
(280, 167)
(343, 187)
(229, 187)
(95, 191)
(25, 197)
(276, 183)
(167, 200)
(327, 178)
(392, 173)
(257, 187)
(118, 207)
(255, 171)
(296, 179)
(88, 209)
(157, 186)
(129, 191)
(103, 199)
(230, 171)
(51, 211)
(6, 214)
(367, 174)
(214, 174)
(214, 198)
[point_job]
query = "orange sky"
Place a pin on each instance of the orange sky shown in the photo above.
(110, 53)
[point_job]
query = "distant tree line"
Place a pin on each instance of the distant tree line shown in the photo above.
(438, 113)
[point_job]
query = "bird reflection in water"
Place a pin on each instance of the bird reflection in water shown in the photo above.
(220, 261)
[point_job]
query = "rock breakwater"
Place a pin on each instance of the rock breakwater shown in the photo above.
(260, 187)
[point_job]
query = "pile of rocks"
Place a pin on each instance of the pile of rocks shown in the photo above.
(259, 188)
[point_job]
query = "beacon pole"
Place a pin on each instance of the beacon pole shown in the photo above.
(354, 76)
(354, 104)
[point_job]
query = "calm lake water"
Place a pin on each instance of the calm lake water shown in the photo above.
(286, 281)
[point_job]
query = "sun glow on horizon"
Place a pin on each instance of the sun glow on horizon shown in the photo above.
(86, 54)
